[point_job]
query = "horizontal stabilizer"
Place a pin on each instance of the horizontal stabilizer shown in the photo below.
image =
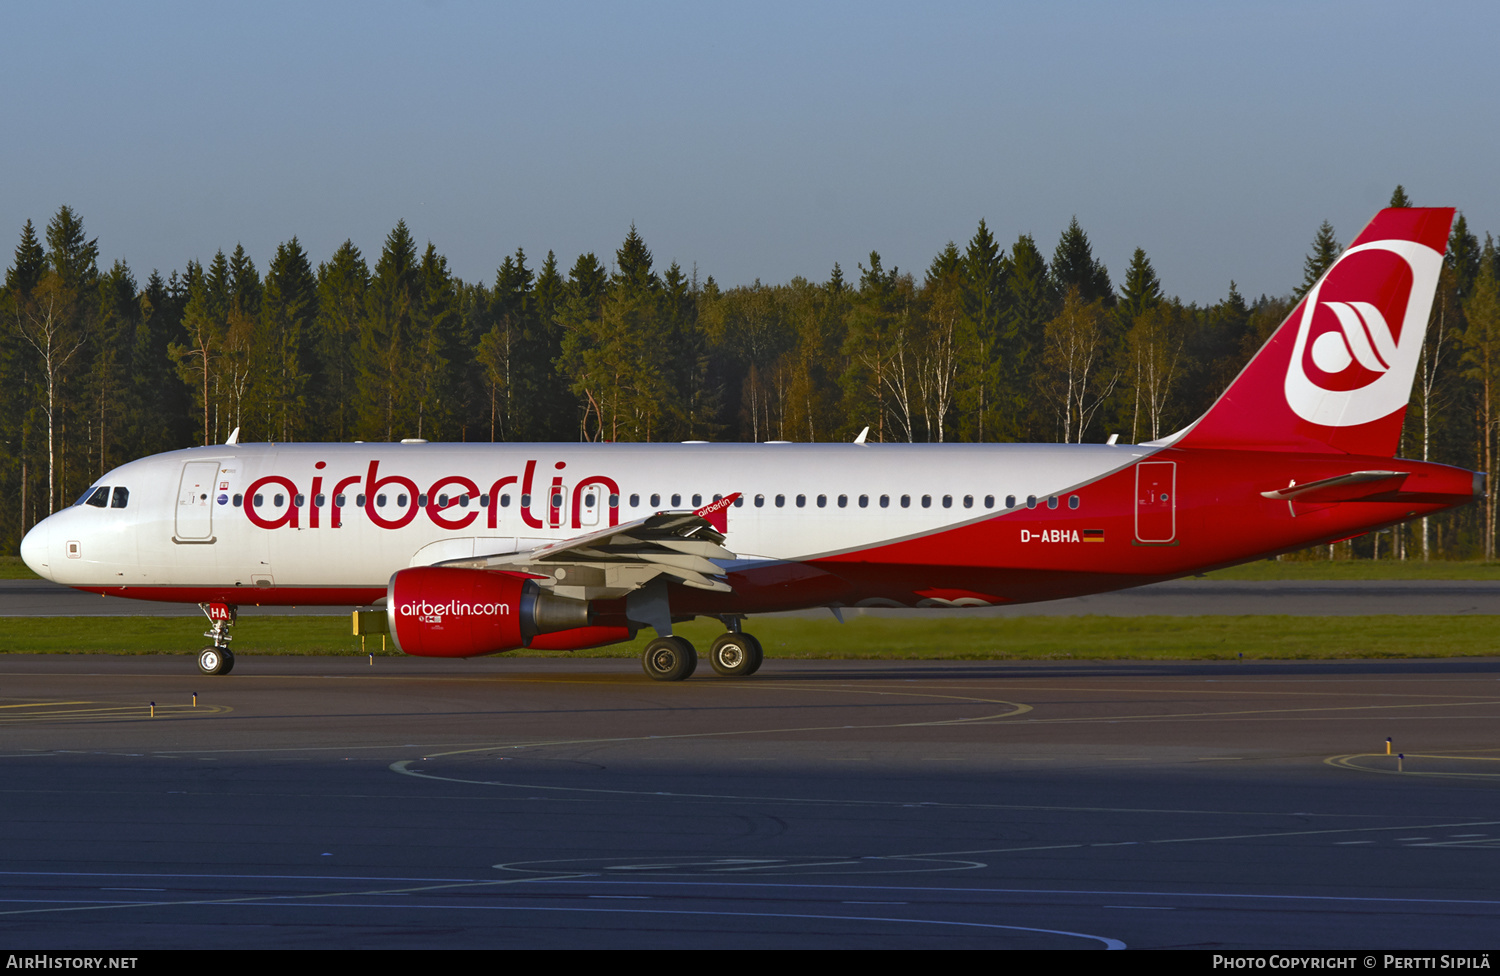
(1344, 488)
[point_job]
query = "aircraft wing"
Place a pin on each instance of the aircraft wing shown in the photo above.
(619, 560)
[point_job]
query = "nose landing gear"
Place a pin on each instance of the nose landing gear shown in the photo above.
(218, 659)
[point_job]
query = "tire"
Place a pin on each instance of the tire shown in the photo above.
(735, 655)
(669, 659)
(215, 660)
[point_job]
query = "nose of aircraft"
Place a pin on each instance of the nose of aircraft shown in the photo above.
(35, 548)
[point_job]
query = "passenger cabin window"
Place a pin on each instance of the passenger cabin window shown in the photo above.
(635, 501)
(926, 501)
(947, 501)
(801, 501)
(780, 501)
(1072, 501)
(655, 501)
(906, 501)
(239, 500)
(885, 501)
(843, 501)
(338, 501)
(968, 501)
(359, 501)
(989, 501)
(676, 501)
(760, 501)
(100, 498)
(1010, 501)
(697, 501)
(1051, 501)
(1031, 501)
(401, 499)
(864, 501)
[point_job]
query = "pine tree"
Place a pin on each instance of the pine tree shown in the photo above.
(342, 285)
(244, 282)
(288, 317)
(1326, 250)
(31, 263)
(1399, 197)
(386, 340)
(437, 348)
(70, 255)
(1463, 256)
(1141, 290)
(1074, 266)
(1030, 307)
(986, 340)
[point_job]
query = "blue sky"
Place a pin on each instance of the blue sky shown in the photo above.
(757, 141)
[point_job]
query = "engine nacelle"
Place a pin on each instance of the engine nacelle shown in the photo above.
(435, 611)
(580, 637)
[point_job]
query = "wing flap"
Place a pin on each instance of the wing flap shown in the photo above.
(619, 560)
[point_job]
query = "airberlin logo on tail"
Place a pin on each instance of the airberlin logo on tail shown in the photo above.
(1361, 332)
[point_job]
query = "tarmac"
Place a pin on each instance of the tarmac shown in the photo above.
(524, 803)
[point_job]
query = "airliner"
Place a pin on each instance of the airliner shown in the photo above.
(473, 549)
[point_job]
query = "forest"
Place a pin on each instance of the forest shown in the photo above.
(989, 343)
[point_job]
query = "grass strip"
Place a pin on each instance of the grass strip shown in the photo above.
(941, 637)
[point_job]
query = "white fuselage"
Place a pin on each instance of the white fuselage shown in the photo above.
(192, 517)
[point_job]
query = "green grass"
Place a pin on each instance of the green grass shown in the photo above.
(11, 567)
(939, 637)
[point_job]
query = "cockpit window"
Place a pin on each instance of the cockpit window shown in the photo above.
(100, 498)
(121, 499)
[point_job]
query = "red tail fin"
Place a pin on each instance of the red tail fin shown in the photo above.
(1337, 374)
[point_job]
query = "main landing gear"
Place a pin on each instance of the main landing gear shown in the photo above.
(734, 655)
(218, 659)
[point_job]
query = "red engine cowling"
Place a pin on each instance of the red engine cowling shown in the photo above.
(580, 637)
(436, 611)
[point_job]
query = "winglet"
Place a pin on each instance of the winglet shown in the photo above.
(862, 435)
(717, 513)
(234, 437)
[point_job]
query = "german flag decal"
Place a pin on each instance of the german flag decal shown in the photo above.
(1093, 535)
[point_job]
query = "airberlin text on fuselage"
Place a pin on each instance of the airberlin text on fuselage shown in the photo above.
(449, 516)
